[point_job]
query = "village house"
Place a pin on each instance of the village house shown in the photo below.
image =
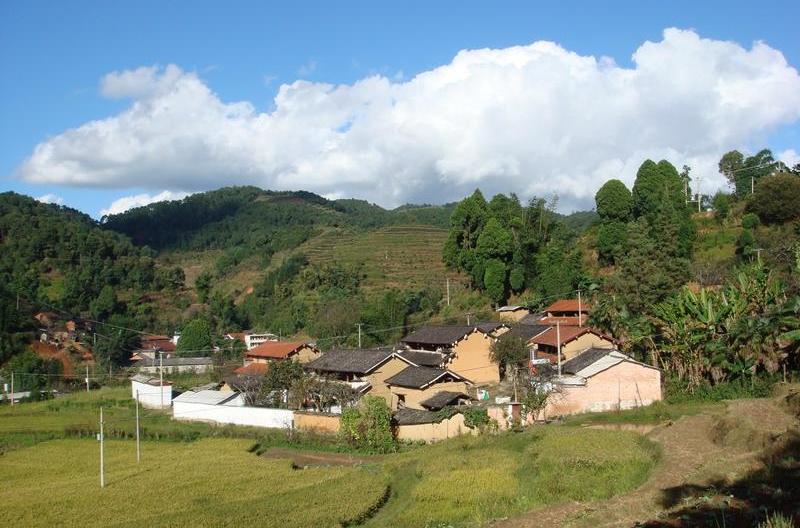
(566, 312)
(573, 341)
(464, 350)
(512, 314)
(268, 351)
(602, 379)
(252, 339)
(174, 365)
(415, 387)
(365, 370)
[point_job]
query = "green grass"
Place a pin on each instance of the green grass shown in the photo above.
(206, 475)
(656, 413)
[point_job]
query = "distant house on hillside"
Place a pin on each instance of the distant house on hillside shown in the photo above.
(281, 350)
(252, 339)
(464, 350)
(421, 387)
(366, 370)
(602, 379)
(512, 313)
(567, 312)
(174, 365)
(573, 341)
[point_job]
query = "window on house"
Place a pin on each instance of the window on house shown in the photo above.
(401, 401)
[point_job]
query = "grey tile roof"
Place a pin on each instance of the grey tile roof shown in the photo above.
(526, 331)
(584, 359)
(423, 359)
(531, 319)
(438, 335)
(489, 326)
(442, 398)
(415, 377)
(350, 360)
(415, 417)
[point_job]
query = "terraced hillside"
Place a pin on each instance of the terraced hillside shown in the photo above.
(407, 256)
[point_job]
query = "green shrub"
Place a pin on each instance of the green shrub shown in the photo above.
(758, 387)
(475, 417)
(750, 221)
(368, 428)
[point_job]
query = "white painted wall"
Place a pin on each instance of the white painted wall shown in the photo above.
(150, 395)
(237, 415)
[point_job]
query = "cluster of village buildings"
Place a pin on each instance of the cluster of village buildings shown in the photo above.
(439, 366)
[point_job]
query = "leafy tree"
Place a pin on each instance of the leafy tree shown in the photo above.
(777, 199)
(105, 304)
(195, 338)
(494, 242)
(753, 169)
(655, 184)
(730, 164)
(281, 377)
(494, 280)
(611, 241)
(467, 220)
(722, 206)
(32, 373)
(614, 201)
(114, 345)
(516, 279)
(202, 285)
(509, 351)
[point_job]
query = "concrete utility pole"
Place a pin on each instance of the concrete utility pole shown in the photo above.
(138, 446)
(161, 375)
(468, 316)
(558, 345)
(359, 335)
(102, 461)
(580, 318)
(758, 254)
(87, 378)
(12, 388)
(448, 291)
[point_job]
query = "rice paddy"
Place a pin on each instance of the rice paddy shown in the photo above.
(200, 475)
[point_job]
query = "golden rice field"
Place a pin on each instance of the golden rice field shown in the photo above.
(210, 482)
(200, 475)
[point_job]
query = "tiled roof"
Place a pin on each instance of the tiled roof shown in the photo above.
(163, 343)
(568, 333)
(488, 327)
(526, 332)
(415, 417)
(441, 399)
(567, 305)
(564, 320)
(252, 369)
(438, 335)
(422, 358)
(276, 349)
(584, 359)
(350, 360)
(512, 308)
(419, 377)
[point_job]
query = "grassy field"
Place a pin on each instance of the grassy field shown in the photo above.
(198, 474)
(211, 482)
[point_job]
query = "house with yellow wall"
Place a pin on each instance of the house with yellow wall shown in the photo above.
(464, 350)
(366, 370)
(422, 388)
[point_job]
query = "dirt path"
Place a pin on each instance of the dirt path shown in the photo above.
(312, 458)
(695, 451)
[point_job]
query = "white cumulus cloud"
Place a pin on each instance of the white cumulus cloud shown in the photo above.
(50, 198)
(121, 205)
(533, 119)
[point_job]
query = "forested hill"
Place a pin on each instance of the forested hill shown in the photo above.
(252, 218)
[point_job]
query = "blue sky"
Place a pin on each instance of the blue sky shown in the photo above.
(53, 56)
